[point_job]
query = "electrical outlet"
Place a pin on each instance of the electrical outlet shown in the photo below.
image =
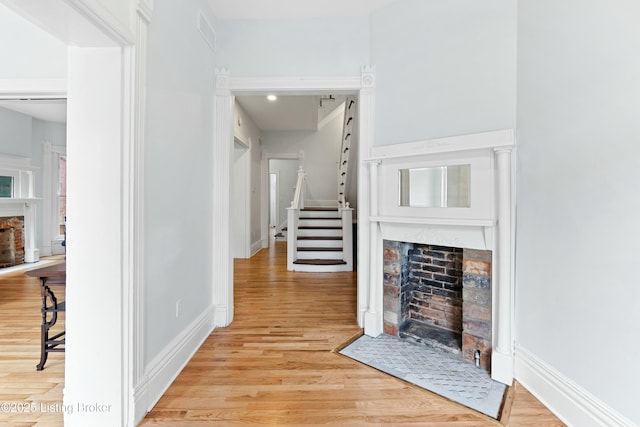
(178, 308)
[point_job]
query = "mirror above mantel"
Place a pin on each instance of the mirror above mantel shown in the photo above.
(435, 187)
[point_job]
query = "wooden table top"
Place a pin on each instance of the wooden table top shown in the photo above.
(57, 270)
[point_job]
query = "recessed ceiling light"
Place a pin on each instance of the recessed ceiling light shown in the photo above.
(272, 97)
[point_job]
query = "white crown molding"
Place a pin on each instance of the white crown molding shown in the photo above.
(145, 10)
(80, 23)
(103, 19)
(567, 400)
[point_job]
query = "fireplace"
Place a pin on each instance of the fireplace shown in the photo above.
(439, 296)
(11, 241)
(18, 208)
(443, 206)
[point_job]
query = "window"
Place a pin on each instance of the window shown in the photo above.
(6, 186)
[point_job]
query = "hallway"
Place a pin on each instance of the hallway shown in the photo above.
(274, 365)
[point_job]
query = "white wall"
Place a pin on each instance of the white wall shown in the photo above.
(15, 133)
(578, 302)
(28, 52)
(308, 47)
(443, 68)
(178, 177)
(287, 176)
(321, 155)
(249, 133)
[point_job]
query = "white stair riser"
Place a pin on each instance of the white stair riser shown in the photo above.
(320, 268)
(320, 255)
(319, 214)
(320, 244)
(320, 232)
(319, 222)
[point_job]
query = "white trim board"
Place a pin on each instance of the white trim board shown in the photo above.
(166, 366)
(571, 403)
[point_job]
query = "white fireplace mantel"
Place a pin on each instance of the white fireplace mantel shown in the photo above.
(22, 201)
(485, 225)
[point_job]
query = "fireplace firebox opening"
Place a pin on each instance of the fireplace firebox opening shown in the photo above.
(11, 241)
(439, 296)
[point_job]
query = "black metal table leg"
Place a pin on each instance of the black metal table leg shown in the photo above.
(47, 343)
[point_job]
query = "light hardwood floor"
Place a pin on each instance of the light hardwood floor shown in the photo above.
(272, 366)
(30, 394)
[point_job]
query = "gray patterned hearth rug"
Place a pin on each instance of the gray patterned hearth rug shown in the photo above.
(441, 372)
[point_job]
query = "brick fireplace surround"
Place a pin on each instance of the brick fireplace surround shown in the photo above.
(17, 223)
(441, 295)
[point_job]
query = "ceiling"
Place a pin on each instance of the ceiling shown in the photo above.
(287, 113)
(293, 112)
(293, 9)
(52, 110)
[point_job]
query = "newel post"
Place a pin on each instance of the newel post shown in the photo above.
(346, 214)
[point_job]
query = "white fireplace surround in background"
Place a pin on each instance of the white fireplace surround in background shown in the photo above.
(22, 201)
(485, 225)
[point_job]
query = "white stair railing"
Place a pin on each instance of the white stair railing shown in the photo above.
(293, 216)
(299, 193)
(345, 151)
(346, 214)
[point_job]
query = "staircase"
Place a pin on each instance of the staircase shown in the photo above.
(320, 239)
(320, 246)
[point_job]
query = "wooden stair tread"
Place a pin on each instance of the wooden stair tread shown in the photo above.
(319, 237)
(320, 261)
(318, 227)
(320, 209)
(310, 249)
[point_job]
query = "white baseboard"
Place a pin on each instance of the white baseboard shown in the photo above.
(165, 367)
(221, 318)
(502, 367)
(256, 246)
(571, 403)
(45, 251)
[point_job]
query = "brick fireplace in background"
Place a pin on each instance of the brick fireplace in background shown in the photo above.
(15, 223)
(440, 296)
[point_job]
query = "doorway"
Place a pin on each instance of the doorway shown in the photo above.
(241, 218)
(283, 173)
(101, 191)
(225, 89)
(273, 197)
